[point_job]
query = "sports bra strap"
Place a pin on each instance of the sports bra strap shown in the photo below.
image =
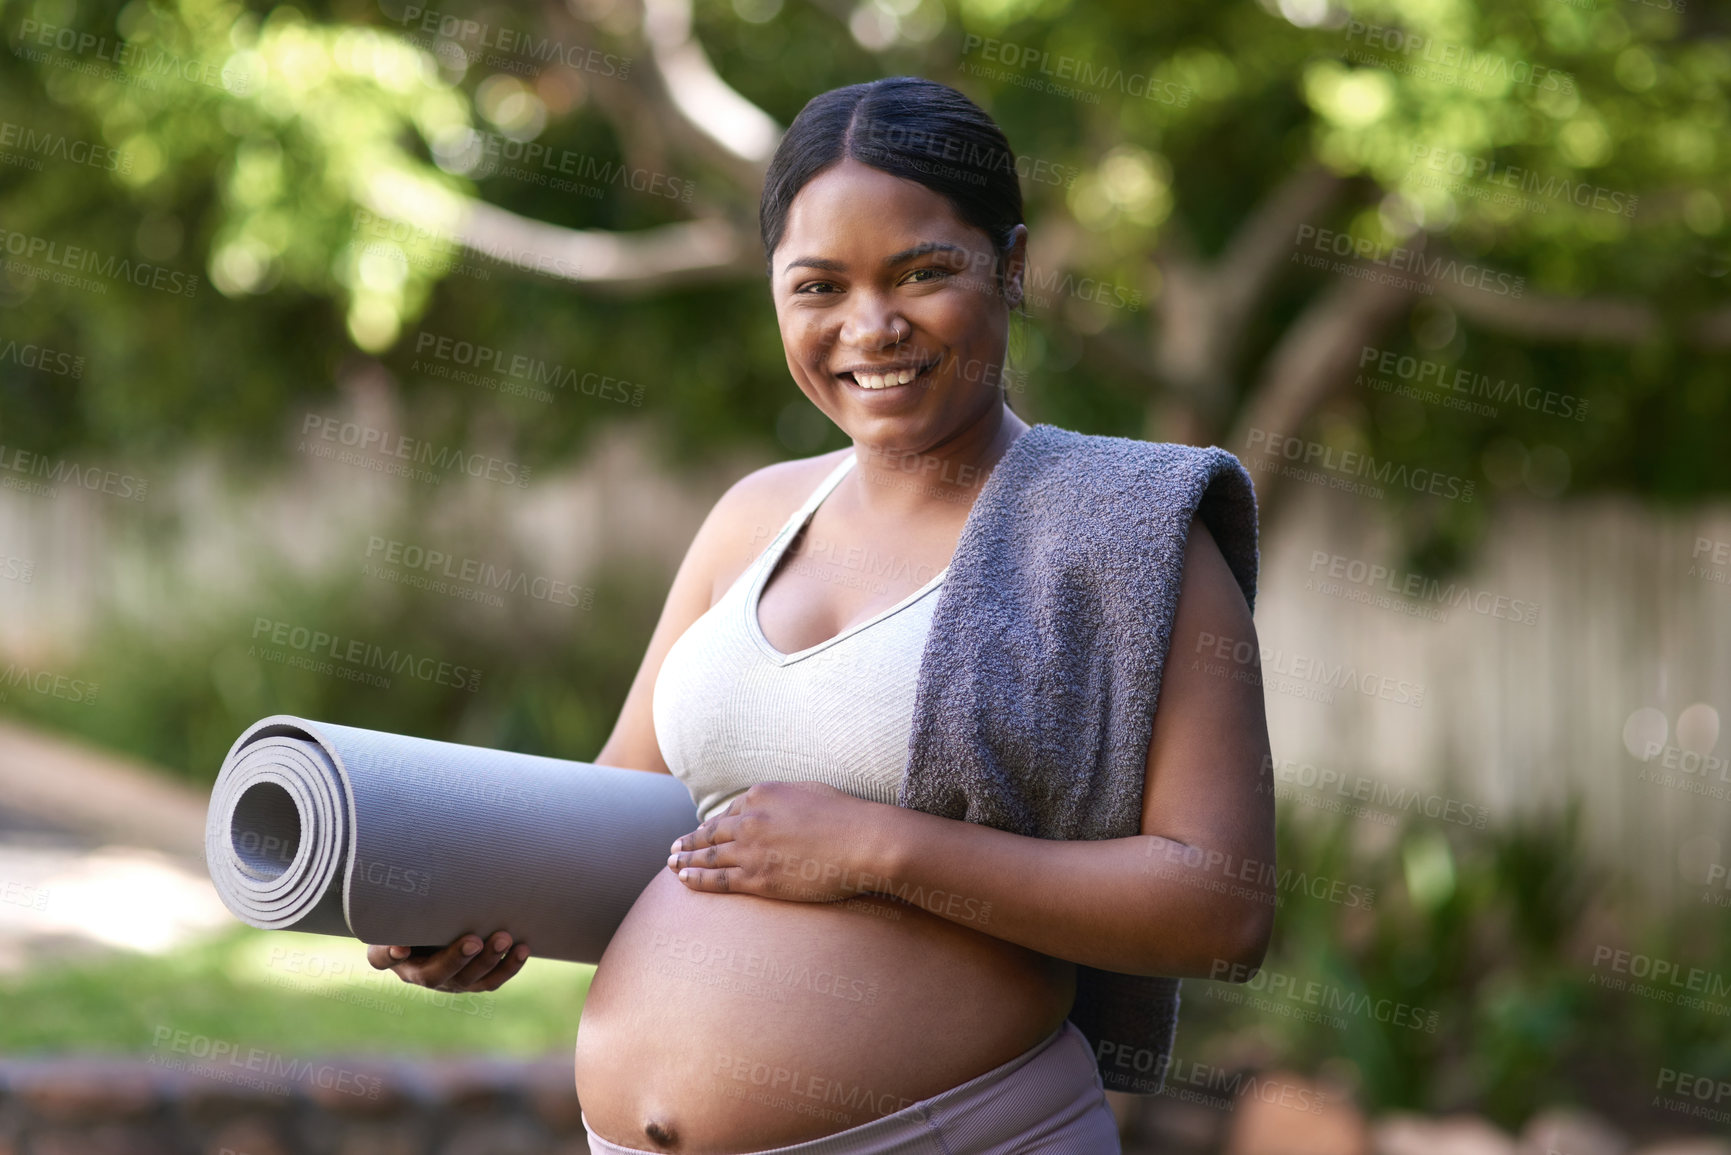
(798, 516)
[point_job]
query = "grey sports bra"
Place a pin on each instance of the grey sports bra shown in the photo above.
(731, 710)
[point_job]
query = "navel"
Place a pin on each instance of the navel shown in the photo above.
(661, 1135)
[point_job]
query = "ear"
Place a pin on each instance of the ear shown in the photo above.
(1012, 265)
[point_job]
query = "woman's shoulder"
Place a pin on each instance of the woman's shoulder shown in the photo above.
(1109, 477)
(1124, 494)
(753, 509)
(780, 486)
(1105, 455)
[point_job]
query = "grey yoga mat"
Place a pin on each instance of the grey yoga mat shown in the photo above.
(393, 839)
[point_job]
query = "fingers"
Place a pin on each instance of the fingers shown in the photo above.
(468, 963)
(437, 969)
(722, 828)
(426, 969)
(477, 966)
(394, 958)
(709, 881)
(507, 968)
(384, 957)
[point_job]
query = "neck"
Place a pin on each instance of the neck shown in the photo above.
(897, 483)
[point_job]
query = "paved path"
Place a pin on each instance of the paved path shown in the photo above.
(98, 853)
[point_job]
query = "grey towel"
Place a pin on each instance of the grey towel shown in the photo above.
(1037, 685)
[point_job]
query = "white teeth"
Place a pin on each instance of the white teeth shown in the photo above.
(885, 380)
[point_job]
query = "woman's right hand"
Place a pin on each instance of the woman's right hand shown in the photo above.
(466, 965)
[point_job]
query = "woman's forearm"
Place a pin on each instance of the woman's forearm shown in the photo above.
(1137, 905)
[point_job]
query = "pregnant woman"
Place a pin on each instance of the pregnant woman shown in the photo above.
(821, 970)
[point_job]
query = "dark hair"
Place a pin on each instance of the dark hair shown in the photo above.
(909, 127)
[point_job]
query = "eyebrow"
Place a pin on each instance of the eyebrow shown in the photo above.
(889, 262)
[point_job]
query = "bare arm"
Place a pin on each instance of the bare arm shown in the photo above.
(632, 744)
(1192, 895)
(735, 532)
(719, 548)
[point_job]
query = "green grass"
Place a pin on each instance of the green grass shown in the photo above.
(295, 994)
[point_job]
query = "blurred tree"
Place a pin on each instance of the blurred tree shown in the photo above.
(1530, 194)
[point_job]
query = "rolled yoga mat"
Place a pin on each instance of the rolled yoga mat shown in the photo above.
(392, 839)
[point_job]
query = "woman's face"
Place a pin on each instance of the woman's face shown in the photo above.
(866, 258)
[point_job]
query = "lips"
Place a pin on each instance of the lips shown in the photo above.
(887, 377)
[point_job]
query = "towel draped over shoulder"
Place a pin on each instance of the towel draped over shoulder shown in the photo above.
(1038, 681)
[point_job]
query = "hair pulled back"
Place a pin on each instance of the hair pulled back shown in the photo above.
(909, 127)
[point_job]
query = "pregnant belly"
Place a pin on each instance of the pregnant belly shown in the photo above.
(730, 1022)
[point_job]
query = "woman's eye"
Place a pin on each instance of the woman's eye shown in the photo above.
(936, 273)
(813, 285)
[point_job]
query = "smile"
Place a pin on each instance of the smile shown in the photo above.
(888, 378)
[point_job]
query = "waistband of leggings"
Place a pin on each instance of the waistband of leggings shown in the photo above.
(1002, 1071)
(922, 1107)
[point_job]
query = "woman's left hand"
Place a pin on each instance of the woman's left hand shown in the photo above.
(799, 841)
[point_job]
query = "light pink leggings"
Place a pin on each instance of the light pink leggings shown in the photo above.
(1048, 1100)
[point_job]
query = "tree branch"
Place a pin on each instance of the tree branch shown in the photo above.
(1261, 247)
(686, 253)
(1593, 319)
(656, 99)
(704, 100)
(689, 252)
(680, 89)
(1204, 309)
(1313, 359)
